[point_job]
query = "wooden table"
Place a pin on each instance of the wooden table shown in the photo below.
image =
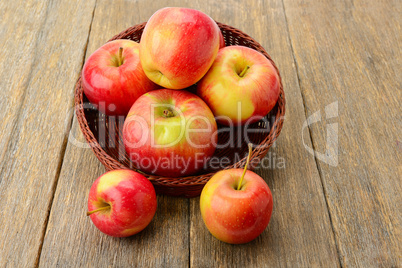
(341, 59)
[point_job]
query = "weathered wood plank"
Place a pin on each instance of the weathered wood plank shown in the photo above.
(349, 52)
(300, 233)
(72, 239)
(41, 52)
(18, 33)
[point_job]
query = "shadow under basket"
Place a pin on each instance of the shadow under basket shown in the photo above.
(103, 133)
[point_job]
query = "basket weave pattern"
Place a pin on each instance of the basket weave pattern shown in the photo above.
(109, 148)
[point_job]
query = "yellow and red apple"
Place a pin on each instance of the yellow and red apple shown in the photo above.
(121, 203)
(236, 205)
(178, 46)
(112, 77)
(170, 133)
(247, 82)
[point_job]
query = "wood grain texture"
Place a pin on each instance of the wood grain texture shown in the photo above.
(300, 233)
(19, 34)
(349, 52)
(344, 51)
(72, 239)
(41, 52)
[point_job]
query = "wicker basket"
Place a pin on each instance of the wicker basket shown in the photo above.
(109, 149)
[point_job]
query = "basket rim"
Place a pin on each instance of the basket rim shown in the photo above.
(259, 151)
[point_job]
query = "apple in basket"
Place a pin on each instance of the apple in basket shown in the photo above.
(112, 77)
(170, 133)
(221, 40)
(236, 205)
(178, 46)
(121, 203)
(246, 80)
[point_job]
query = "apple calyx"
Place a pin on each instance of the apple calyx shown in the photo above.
(244, 71)
(106, 207)
(250, 149)
(168, 113)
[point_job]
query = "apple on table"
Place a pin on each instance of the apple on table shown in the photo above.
(178, 46)
(236, 205)
(121, 203)
(246, 80)
(170, 133)
(113, 78)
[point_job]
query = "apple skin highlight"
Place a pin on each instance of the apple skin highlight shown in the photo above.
(256, 91)
(112, 88)
(174, 146)
(236, 216)
(178, 46)
(132, 202)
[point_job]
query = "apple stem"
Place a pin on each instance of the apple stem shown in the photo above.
(97, 210)
(250, 149)
(244, 71)
(120, 57)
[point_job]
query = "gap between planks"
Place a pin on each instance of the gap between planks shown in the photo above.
(310, 135)
(189, 231)
(28, 81)
(65, 141)
(63, 148)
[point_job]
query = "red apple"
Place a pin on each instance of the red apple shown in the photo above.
(121, 203)
(170, 133)
(112, 77)
(221, 40)
(178, 46)
(236, 205)
(246, 80)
